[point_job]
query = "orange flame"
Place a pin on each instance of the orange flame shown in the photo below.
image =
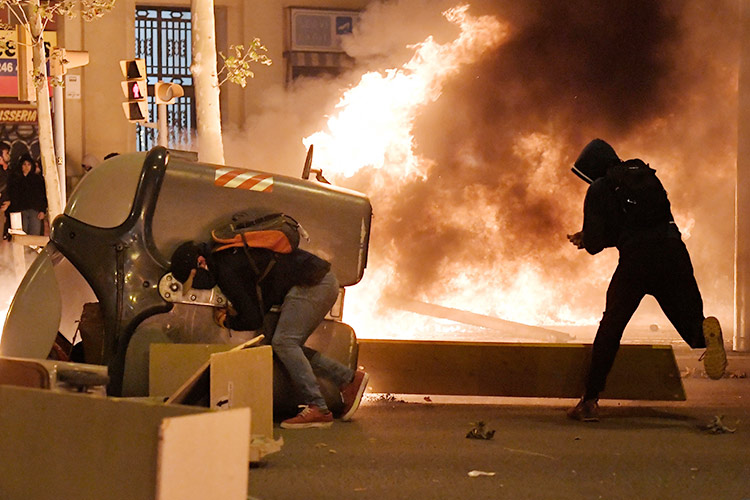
(373, 125)
(372, 129)
(370, 134)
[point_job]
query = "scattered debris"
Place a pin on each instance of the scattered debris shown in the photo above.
(699, 373)
(687, 372)
(480, 432)
(265, 445)
(533, 453)
(385, 397)
(716, 426)
(320, 445)
(428, 399)
(477, 473)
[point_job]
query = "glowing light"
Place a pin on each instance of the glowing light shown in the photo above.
(372, 126)
(369, 137)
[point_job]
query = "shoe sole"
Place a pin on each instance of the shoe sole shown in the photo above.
(580, 418)
(308, 425)
(588, 419)
(715, 358)
(357, 400)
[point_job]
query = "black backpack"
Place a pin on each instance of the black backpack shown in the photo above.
(641, 196)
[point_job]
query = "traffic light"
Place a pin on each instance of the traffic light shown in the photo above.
(135, 89)
(62, 60)
(166, 93)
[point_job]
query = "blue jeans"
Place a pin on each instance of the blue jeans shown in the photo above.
(30, 222)
(304, 308)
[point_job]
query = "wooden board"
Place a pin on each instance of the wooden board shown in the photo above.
(640, 372)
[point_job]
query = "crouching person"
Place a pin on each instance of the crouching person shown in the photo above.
(254, 280)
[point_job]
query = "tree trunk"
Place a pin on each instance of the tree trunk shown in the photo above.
(208, 119)
(46, 143)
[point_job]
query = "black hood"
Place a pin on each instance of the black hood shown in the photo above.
(594, 160)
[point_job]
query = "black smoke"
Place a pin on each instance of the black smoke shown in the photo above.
(575, 70)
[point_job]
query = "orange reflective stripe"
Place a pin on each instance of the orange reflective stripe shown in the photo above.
(238, 178)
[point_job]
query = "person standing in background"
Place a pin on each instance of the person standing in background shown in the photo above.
(27, 195)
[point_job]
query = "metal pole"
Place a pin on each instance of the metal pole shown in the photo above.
(163, 129)
(741, 337)
(57, 100)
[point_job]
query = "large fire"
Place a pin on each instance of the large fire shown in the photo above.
(470, 253)
(464, 149)
(372, 129)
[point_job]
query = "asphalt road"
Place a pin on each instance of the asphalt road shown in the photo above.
(403, 447)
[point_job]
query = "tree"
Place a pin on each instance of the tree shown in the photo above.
(236, 69)
(33, 16)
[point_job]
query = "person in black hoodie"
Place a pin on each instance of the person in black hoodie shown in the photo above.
(305, 288)
(27, 195)
(626, 207)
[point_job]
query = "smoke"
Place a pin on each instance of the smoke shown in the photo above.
(657, 80)
(9, 280)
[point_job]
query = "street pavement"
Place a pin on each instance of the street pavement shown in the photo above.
(415, 447)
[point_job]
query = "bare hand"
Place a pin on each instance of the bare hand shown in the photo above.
(4, 206)
(220, 316)
(576, 239)
(40, 216)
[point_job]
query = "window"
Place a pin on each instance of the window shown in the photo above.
(163, 38)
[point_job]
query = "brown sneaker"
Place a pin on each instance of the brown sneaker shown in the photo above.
(310, 416)
(715, 357)
(585, 411)
(351, 394)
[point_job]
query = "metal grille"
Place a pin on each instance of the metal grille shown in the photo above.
(163, 37)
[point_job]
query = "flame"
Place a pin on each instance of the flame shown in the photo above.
(373, 125)
(372, 129)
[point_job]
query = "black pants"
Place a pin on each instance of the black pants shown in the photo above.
(661, 268)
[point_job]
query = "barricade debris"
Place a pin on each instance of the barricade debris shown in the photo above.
(480, 432)
(716, 426)
(477, 473)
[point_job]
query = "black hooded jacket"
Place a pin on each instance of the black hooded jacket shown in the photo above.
(26, 192)
(237, 279)
(604, 223)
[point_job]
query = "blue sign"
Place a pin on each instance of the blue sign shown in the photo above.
(8, 67)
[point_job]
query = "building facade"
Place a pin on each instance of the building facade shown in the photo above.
(95, 124)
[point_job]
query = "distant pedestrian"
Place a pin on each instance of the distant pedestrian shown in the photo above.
(28, 196)
(627, 207)
(89, 162)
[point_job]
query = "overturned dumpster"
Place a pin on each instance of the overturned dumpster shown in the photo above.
(111, 248)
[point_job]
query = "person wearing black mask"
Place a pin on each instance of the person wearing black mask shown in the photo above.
(256, 279)
(627, 207)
